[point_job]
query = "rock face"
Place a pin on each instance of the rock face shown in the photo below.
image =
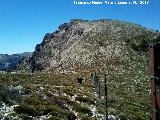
(9, 62)
(82, 44)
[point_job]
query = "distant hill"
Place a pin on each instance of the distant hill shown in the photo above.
(9, 62)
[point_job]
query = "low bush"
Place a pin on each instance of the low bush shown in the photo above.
(25, 109)
(84, 99)
(82, 109)
(54, 118)
(70, 115)
(25, 117)
(33, 100)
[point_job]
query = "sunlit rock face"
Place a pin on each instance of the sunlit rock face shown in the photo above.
(82, 44)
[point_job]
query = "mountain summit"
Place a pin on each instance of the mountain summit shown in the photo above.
(82, 45)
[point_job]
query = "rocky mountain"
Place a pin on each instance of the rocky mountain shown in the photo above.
(82, 44)
(95, 51)
(9, 62)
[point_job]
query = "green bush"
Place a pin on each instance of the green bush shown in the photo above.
(25, 117)
(56, 113)
(84, 99)
(54, 118)
(25, 109)
(47, 109)
(70, 115)
(41, 110)
(33, 100)
(1, 116)
(82, 109)
(86, 118)
(28, 90)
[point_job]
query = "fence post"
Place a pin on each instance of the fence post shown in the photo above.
(154, 54)
(96, 83)
(99, 88)
(106, 95)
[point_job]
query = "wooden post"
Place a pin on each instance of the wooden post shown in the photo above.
(99, 88)
(106, 96)
(154, 54)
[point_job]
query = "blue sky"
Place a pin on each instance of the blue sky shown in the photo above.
(23, 23)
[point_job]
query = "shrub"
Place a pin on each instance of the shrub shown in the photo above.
(25, 117)
(28, 90)
(33, 100)
(82, 109)
(54, 118)
(10, 94)
(1, 115)
(65, 99)
(56, 113)
(48, 109)
(87, 118)
(70, 115)
(25, 109)
(84, 99)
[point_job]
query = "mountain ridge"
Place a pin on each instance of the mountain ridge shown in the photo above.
(9, 62)
(76, 42)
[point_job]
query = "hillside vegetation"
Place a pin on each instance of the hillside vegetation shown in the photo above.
(47, 87)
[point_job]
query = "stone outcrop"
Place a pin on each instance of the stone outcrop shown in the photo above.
(82, 44)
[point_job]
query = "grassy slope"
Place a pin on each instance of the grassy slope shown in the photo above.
(50, 94)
